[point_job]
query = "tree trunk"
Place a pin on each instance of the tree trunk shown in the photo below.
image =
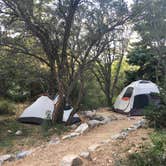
(77, 106)
(52, 79)
(117, 74)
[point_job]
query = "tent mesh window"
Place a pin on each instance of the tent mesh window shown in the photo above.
(141, 101)
(128, 92)
(144, 82)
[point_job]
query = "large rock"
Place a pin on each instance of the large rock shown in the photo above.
(94, 123)
(71, 160)
(4, 158)
(82, 128)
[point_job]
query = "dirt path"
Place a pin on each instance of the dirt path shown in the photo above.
(51, 155)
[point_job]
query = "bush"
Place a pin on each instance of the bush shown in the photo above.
(156, 114)
(6, 107)
(154, 154)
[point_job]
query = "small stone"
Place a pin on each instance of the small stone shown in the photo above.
(71, 160)
(105, 141)
(121, 135)
(18, 132)
(82, 128)
(130, 129)
(54, 141)
(9, 131)
(116, 136)
(94, 147)
(130, 151)
(131, 118)
(113, 117)
(6, 157)
(71, 135)
(23, 154)
(85, 155)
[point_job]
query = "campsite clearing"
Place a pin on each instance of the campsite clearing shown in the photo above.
(52, 154)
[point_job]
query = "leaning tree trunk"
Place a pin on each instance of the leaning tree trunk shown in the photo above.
(77, 105)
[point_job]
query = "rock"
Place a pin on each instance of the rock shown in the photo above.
(82, 128)
(23, 154)
(71, 135)
(66, 137)
(105, 141)
(139, 124)
(90, 114)
(98, 117)
(74, 134)
(4, 158)
(130, 129)
(18, 132)
(94, 123)
(74, 126)
(71, 160)
(94, 147)
(130, 151)
(121, 135)
(54, 141)
(106, 120)
(131, 118)
(9, 131)
(85, 155)
(116, 136)
(113, 117)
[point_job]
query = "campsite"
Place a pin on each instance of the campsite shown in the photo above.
(82, 82)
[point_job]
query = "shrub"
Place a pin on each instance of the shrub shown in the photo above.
(6, 107)
(154, 154)
(156, 114)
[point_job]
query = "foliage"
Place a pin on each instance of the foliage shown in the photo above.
(149, 52)
(151, 155)
(6, 107)
(145, 60)
(21, 78)
(93, 96)
(157, 114)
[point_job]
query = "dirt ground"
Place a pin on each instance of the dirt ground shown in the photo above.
(51, 155)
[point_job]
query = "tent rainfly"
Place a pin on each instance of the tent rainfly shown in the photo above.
(136, 96)
(42, 109)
